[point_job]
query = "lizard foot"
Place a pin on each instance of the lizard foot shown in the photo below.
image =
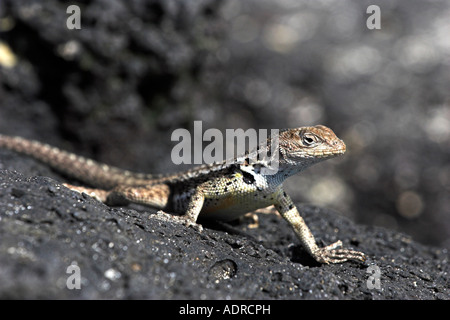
(330, 254)
(179, 219)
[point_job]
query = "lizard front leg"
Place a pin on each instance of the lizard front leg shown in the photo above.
(328, 254)
(194, 207)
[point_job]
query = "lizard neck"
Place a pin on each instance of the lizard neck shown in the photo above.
(270, 179)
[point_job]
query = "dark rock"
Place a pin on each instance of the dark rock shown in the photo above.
(117, 88)
(124, 253)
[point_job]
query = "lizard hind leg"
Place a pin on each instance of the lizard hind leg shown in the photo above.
(98, 194)
(154, 195)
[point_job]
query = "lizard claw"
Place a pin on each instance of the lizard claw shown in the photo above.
(179, 219)
(189, 223)
(330, 254)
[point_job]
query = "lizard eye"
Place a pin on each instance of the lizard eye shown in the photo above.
(308, 140)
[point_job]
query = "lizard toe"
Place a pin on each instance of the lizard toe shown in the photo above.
(330, 254)
(179, 219)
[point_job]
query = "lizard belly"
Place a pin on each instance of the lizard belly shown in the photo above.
(231, 196)
(227, 198)
(231, 207)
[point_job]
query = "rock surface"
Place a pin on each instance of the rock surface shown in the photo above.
(137, 70)
(127, 253)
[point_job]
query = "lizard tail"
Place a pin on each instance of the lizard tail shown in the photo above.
(85, 170)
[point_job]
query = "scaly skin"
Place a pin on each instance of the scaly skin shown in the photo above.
(222, 191)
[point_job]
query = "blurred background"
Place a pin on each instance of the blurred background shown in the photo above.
(138, 69)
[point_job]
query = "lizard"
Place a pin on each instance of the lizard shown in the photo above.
(222, 191)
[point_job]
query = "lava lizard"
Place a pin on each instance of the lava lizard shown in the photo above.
(222, 191)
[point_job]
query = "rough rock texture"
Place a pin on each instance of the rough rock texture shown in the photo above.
(116, 89)
(127, 253)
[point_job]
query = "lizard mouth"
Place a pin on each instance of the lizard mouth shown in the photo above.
(328, 153)
(322, 154)
(338, 147)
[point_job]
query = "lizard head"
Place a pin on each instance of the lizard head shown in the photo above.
(309, 144)
(298, 149)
